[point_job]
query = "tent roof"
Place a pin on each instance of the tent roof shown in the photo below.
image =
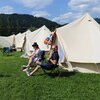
(80, 40)
(39, 36)
(19, 40)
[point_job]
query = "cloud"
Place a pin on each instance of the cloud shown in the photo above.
(40, 13)
(76, 4)
(68, 17)
(37, 4)
(96, 10)
(83, 5)
(62, 18)
(78, 8)
(6, 10)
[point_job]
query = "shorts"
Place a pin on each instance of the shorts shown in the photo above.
(47, 66)
(35, 59)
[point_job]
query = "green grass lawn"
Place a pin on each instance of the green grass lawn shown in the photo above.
(15, 85)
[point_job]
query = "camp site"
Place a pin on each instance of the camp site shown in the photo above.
(44, 56)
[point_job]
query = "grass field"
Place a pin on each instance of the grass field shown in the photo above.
(15, 85)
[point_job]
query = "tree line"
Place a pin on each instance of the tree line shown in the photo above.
(15, 23)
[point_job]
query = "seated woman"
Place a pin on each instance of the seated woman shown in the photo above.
(33, 58)
(50, 64)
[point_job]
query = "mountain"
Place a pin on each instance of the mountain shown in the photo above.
(15, 23)
(98, 20)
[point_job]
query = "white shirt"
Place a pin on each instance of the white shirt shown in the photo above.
(36, 52)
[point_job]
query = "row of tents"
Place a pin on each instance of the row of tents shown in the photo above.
(78, 43)
(26, 39)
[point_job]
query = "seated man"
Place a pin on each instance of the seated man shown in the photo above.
(52, 62)
(34, 57)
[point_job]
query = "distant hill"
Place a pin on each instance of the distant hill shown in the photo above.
(15, 23)
(98, 20)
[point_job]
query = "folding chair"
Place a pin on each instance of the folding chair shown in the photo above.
(52, 70)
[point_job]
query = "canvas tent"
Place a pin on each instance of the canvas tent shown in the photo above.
(7, 41)
(11, 39)
(38, 36)
(20, 38)
(4, 43)
(79, 46)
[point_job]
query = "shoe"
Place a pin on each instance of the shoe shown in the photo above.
(26, 69)
(27, 72)
(23, 67)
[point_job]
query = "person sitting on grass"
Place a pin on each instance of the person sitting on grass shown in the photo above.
(50, 64)
(33, 57)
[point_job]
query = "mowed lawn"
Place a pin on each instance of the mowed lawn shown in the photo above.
(15, 85)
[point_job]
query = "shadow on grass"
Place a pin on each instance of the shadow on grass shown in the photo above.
(2, 76)
(60, 74)
(7, 55)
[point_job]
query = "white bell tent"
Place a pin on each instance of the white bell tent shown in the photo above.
(4, 43)
(79, 44)
(20, 39)
(38, 36)
(7, 41)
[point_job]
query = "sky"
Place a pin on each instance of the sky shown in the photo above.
(60, 11)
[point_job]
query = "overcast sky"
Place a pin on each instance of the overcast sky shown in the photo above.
(61, 11)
